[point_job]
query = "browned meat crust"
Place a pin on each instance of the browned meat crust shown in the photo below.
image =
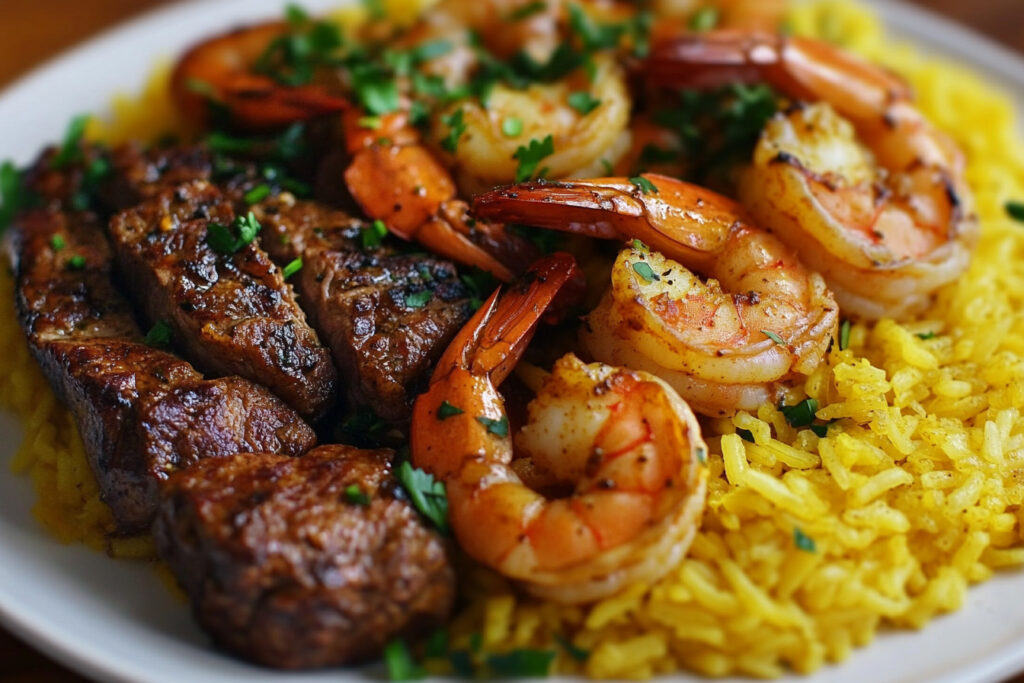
(230, 313)
(285, 568)
(386, 316)
(142, 412)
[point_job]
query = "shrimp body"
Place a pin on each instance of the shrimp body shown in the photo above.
(860, 184)
(220, 69)
(620, 450)
(725, 341)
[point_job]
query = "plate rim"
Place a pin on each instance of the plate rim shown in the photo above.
(907, 22)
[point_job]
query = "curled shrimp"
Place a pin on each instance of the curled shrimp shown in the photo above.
(220, 69)
(861, 184)
(621, 446)
(726, 343)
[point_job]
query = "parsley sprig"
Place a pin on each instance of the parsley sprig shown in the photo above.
(530, 156)
(228, 239)
(427, 494)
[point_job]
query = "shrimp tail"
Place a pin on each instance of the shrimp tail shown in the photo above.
(493, 341)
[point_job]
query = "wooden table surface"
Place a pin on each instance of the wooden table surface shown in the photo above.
(33, 30)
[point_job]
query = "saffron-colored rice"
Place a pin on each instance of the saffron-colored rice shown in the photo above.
(809, 544)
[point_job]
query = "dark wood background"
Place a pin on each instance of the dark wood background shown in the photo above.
(33, 30)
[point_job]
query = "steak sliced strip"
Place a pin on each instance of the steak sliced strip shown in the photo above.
(232, 314)
(142, 412)
(386, 316)
(287, 565)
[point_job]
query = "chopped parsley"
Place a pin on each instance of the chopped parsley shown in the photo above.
(531, 155)
(774, 337)
(844, 335)
(593, 35)
(480, 284)
(577, 653)
(400, 663)
(801, 414)
(70, 150)
(497, 427)
(456, 127)
(447, 410)
(645, 186)
(645, 272)
(372, 235)
(427, 495)
(356, 496)
(639, 245)
(522, 663)
(159, 334)
(95, 171)
(1015, 210)
(925, 336)
(57, 242)
(227, 240)
(418, 299)
(292, 58)
(376, 89)
(745, 434)
(76, 262)
(512, 127)
(12, 196)
(257, 194)
(583, 102)
(286, 146)
(803, 541)
(704, 19)
(526, 11)
(293, 266)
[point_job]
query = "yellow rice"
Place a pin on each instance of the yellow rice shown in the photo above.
(913, 497)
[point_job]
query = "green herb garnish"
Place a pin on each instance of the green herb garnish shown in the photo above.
(70, 150)
(704, 19)
(526, 11)
(293, 266)
(57, 242)
(159, 334)
(418, 299)
(497, 427)
(774, 337)
(531, 155)
(645, 272)
(356, 496)
(456, 127)
(521, 663)
(229, 239)
(12, 196)
(925, 336)
(447, 410)
(645, 186)
(803, 541)
(512, 127)
(427, 494)
(401, 665)
(801, 414)
(257, 194)
(844, 335)
(639, 246)
(583, 102)
(76, 263)
(373, 235)
(1015, 210)
(577, 653)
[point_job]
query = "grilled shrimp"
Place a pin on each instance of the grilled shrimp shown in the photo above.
(220, 69)
(622, 446)
(724, 344)
(860, 184)
(391, 174)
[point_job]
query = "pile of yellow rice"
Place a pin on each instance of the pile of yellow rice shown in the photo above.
(809, 545)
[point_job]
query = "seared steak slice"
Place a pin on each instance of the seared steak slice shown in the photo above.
(142, 412)
(286, 565)
(386, 316)
(231, 313)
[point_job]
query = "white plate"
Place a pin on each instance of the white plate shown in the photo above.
(115, 620)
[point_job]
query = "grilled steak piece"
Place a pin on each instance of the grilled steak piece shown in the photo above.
(232, 313)
(284, 564)
(386, 316)
(142, 412)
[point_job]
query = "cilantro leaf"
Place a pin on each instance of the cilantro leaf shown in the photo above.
(373, 235)
(645, 186)
(583, 102)
(418, 299)
(531, 155)
(645, 272)
(594, 36)
(159, 334)
(801, 414)
(427, 495)
(803, 541)
(456, 127)
(229, 239)
(446, 410)
(497, 427)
